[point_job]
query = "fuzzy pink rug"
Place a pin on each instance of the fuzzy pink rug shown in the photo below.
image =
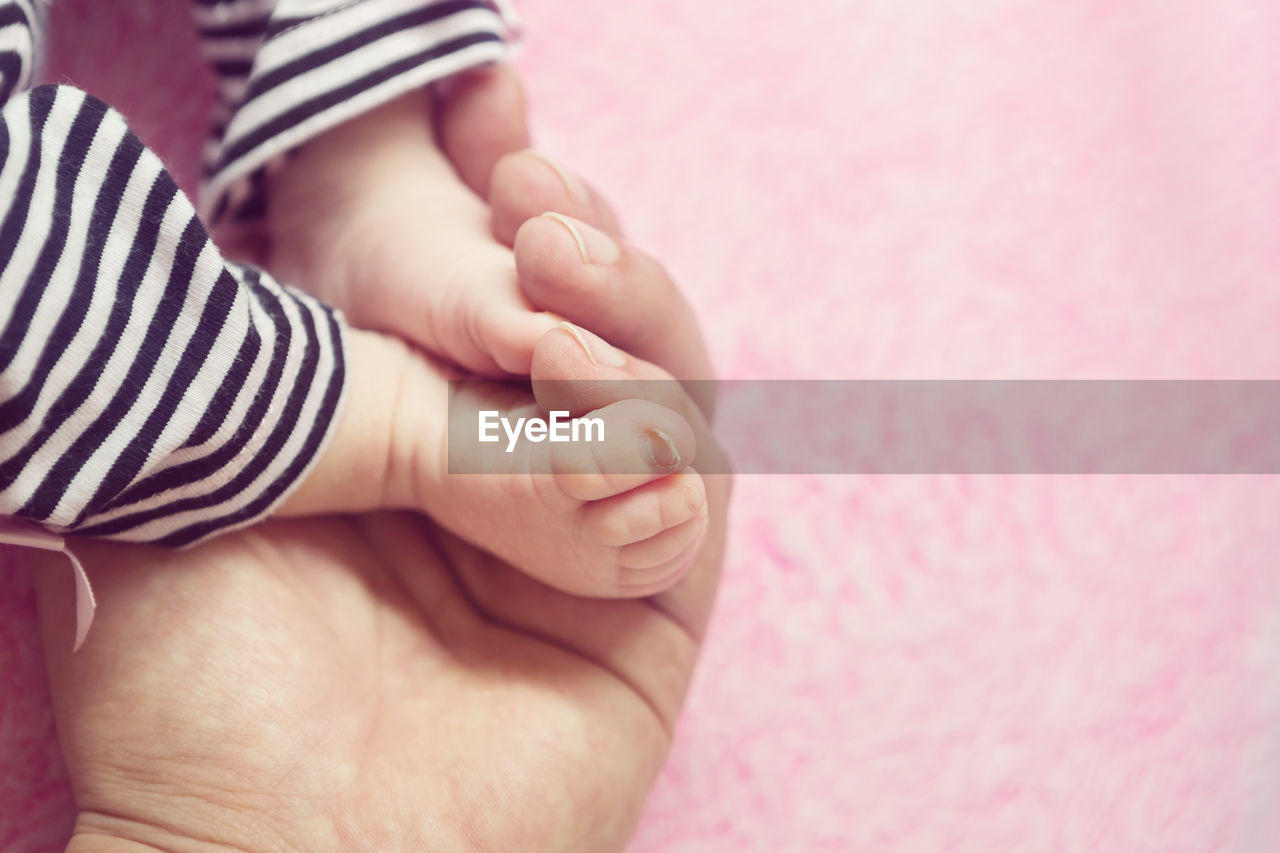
(940, 189)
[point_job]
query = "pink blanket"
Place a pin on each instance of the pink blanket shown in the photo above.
(935, 188)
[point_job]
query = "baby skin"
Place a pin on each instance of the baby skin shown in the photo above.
(374, 218)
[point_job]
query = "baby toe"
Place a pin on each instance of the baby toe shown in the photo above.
(644, 512)
(658, 551)
(680, 545)
(632, 442)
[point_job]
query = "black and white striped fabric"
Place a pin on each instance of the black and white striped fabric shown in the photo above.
(19, 27)
(290, 69)
(150, 390)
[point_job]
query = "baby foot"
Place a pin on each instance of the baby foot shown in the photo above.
(373, 218)
(621, 516)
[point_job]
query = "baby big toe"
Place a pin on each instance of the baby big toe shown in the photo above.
(637, 442)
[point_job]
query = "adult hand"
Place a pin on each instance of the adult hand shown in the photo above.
(481, 125)
(365, 683)
(375, 682)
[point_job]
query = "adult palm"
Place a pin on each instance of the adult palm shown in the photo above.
(363, 683)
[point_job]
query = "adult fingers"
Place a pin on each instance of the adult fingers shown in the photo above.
(527, 183)
(479, 116)
(571, 269)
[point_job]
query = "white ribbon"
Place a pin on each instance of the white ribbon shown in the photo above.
(25, 534)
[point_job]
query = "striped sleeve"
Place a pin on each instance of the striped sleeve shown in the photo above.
(288, 70)
(149, 390)
(19, 41)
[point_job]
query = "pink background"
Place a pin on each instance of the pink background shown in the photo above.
(931, 189)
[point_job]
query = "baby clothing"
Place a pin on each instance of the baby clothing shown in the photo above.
(150, 390)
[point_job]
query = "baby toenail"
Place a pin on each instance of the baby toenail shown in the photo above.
(594, 246)
(663, 450)
(598, 352)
